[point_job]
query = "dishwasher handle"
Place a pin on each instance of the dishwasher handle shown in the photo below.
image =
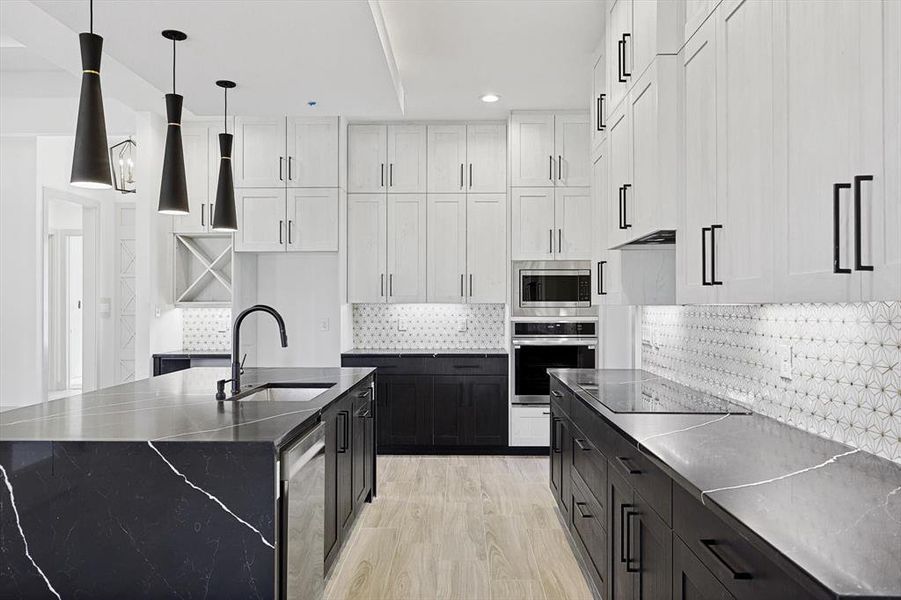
(302, 452)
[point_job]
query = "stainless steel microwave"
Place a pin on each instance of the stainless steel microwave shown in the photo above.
(551, 288)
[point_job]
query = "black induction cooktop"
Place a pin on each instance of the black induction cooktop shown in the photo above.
(659, 396)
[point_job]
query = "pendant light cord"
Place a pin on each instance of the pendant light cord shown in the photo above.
(173, 66)
(91, 12)
(225, 116)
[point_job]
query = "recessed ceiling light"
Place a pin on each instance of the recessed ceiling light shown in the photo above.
(490, 98)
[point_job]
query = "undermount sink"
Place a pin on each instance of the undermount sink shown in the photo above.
(298, 393)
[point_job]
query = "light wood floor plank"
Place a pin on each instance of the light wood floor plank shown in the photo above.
(560, 574)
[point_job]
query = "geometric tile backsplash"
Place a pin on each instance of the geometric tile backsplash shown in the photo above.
(428, 326)
(206, 329)
(846, 363)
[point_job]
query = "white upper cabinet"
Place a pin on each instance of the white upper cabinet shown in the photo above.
(571, 143)
(312, 152)
(696, 12)
(367, 245)
(486, 150)
(486, 248)
(619, 174)
(262, 225)
(532, 149)
(312, 216)
(572, 221)
(406, 248)
(446, 247)
(201, 175)
(533, 224)
(550, 149)
(260, 158)
(406, 158)
(599, 103)
(607, 283)
(367, 158)
(447, 158)
(619, 33)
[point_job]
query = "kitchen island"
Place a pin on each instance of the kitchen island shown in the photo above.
(155, 489)
(732, 504)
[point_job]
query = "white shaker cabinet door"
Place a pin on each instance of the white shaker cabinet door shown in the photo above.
(446, 247)
(367, 160)
(532, 149)
(571, 143)
(406, 248)
(406, 158)
(259, 154)
(816, 129)
(367, 227)
(619, 174)
(533, 224)
(607, 285)
(697, 206)
(572, 217)
(198, 164)
(447, 158)
(619, 33)
(486, 151)
(261, 220)
(312, 152)
(312, 220)
(486, 248)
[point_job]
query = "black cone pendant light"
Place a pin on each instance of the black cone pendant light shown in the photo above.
(90, 161)
(174, 186)
(224, 216)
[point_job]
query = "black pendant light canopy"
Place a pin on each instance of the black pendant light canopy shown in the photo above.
(174, 186)
(224, 216)
(90, 161)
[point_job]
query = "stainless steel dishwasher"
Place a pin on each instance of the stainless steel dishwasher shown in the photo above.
(302, 518)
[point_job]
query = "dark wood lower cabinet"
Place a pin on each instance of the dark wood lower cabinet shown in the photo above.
(405, 410)
(449, 410)
(487, 419)
(621, 582)
(651, 560)
(691, 579)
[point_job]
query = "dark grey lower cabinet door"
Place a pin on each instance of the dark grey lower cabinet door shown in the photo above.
(449, 410)
(621, 576)
(691, 579)
(652, 552)
(488, 420)
(405, 410)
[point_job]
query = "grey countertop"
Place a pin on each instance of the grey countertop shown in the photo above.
(833, 511)
(424, 352)
(181, 406)
(194, 353)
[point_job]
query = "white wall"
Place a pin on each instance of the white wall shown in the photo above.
(21, 351)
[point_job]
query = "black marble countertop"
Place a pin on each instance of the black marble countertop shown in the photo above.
(181, 406)
(194, 353)
(425, 352)
(832, 510)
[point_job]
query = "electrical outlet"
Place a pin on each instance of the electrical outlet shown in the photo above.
(323, 325)
(156, 312)
(785, 361)
(402, 324)
(461, 324)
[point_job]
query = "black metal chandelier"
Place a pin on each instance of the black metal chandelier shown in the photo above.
(122, 158)
(225, 217)
(90, 161)
(174, 186)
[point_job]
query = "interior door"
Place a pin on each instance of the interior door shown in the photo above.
(698, 204)
(367, 158)
(532, 145)
(486, 150)
(446, 252)
(620, 173)
(406, 281)
(367, 243)
(195, 140)
(259, 157)
(533, 224)
(447, 158)
(312, 220)
(572, 146)
(817, 113)
(486, 248)
(261, 220)
(407, 158)
(572, 217)
(312, 152)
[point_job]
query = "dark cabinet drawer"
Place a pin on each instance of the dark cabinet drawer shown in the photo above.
(467, 365)
(388, 365)
(593, 425)
(561, 398)
(740, 567)
(691, 579)
(587, 523)
(648, 479)
(589, 465)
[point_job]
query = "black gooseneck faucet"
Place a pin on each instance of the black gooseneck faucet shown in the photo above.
(236, 346)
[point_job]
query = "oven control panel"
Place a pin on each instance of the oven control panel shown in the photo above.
(588, 328)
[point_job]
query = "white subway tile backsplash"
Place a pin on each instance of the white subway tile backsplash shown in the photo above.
(428, 326)
(846, 371)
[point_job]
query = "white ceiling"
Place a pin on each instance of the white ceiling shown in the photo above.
(535, 54)
(356, 58)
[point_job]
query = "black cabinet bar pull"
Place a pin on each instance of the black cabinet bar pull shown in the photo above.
(461, 285)
(559, 240)
(600, 118)
(620, 51)
(582, 446)
(391, 284)
(290, 223)
(836, 227)
(461, 176)
(624, 460)
(470, 285)
(470, 175)
(626, 73)
(382, 181)
(601, 291)
(290, 178)
(623, 549)
(466, 366)
(858, 264)
(550, 167)
(281, 228)
(364, 393)
(580, 507)
(550, 241)
(202, 224)
(556, 394)
(704, 231)
(381, 284)
(628, 535)
(626, 224)
(621, 225)
(713, 280)
(736, 574)
(559, 167)
(281, 160)
(390, 174)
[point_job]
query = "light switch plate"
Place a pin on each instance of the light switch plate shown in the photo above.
(785, 361)
(461, 324)
(323, 325)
